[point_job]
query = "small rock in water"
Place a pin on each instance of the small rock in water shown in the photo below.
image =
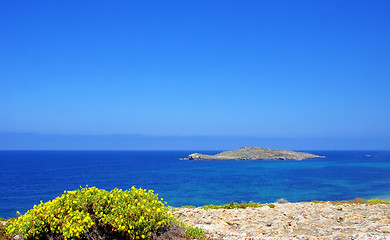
(282, 200)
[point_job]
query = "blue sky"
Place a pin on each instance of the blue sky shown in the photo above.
(263, 69)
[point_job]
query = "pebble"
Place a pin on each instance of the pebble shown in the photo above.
(304, 220)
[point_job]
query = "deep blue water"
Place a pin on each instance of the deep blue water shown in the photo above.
(26, 177)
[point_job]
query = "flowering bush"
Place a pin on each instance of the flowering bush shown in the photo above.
(2, 232)
(132, 214)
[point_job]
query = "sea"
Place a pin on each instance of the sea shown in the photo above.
(28, 177)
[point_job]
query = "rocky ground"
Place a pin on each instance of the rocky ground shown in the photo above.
(306, 220)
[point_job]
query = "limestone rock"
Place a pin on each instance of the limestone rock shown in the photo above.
(305, 220)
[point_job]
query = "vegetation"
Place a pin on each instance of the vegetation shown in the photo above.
(356, 201)
(195, 233)
(377, 201)
(3, 234)
(131, 214)
(254, 153)
(188, 206)
(233, 205)
(91, 213)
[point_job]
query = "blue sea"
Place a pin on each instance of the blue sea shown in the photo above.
(27, 177)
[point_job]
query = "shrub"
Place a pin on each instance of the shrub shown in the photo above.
(194, 233)
(188, 206)
(254, 204)
(3, 235)
(131, 214)
(271, 205)
(211, 206)
(377, 201)
(360, 201)
(316, 201)
(233, 205)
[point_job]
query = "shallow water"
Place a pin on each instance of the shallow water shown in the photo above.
(30, 176)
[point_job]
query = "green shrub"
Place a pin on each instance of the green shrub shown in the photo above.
(211, 206)
(316, 201)
(131, 214)
(271, 205)
(194, 233)
(254, 205)
(360, 201)
(233, 205)
(188, 206)
(377, 201)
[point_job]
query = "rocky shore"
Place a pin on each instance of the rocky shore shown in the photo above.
(253, 153)
(307, 220)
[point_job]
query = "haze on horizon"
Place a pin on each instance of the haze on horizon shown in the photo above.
(196, 72)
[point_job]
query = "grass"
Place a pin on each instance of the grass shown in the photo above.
(243, 205)
(195, 233)
(355, 201)
(189, 232)
(377, 201)
(188, 206)
(233, 205)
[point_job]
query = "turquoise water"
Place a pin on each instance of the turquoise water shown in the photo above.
(30, 176)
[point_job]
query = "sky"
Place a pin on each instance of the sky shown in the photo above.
(187, 69)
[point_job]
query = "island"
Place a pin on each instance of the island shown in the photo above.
(254, 153)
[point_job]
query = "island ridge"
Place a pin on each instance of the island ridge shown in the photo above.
(254, 153)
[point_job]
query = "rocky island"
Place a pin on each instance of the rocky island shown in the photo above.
(254, 153)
